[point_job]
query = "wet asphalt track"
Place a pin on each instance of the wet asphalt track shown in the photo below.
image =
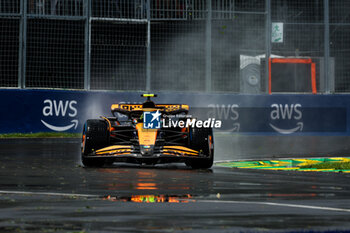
(61, 196)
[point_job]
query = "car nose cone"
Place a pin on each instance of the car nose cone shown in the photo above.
(146, 150)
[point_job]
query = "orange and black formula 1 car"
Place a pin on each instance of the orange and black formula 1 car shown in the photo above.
(142, 138)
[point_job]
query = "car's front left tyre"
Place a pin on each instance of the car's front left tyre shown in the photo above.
(202, 140)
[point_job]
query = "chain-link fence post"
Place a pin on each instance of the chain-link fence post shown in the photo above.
(22, 45)
(208, 47)
(327, 76)
(148, 55)
(87, 55)
(267, 42)
(20, 41)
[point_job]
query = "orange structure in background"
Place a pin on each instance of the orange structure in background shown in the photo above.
(293, 61)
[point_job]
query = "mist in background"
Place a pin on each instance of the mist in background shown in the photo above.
(179, 52)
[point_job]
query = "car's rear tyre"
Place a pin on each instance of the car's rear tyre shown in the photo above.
(201, 139)
(95, 136)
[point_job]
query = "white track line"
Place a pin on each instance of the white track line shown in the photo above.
(203, 201)
(278, 204)
(49, 194)
(226, 161)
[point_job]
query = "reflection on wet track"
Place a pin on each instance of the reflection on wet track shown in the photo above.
(153, 198)
(46, 179)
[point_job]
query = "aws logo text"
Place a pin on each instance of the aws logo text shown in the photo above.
(286, 113)
(60, 108)
(228, 114)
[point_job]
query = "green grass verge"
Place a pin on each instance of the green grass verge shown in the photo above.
(330, 165)
(41, 135)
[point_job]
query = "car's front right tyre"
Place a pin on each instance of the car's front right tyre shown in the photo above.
(95, 136)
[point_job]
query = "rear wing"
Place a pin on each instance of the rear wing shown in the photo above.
(165, 108)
